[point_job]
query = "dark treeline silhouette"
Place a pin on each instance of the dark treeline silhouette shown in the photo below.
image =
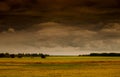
(102, 54)
(20, 55)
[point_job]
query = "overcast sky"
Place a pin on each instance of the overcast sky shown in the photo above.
(59, 26)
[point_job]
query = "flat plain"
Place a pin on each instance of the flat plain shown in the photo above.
(60, 67)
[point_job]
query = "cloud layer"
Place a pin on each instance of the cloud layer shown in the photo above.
(56, 36)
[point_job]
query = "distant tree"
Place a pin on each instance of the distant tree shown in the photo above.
(7, 55)
(43, 56)
(12, 55)
(34, 55)
(20, 55)
(27, 55)
(104, 54)
(94, 54)
(2, 55)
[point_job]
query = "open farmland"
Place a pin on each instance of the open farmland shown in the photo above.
(60, 67)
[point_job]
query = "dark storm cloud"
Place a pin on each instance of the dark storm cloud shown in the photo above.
(59, 7)
(51, 34)
(77, 11)
(4, 6)
(29, 12)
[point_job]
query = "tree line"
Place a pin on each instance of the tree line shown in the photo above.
(102, 54)
(20, 55)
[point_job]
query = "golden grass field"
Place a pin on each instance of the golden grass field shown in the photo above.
(60, 67)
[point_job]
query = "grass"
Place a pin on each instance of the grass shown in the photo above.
(60, 67)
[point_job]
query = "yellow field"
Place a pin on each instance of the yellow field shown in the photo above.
(60, 67)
